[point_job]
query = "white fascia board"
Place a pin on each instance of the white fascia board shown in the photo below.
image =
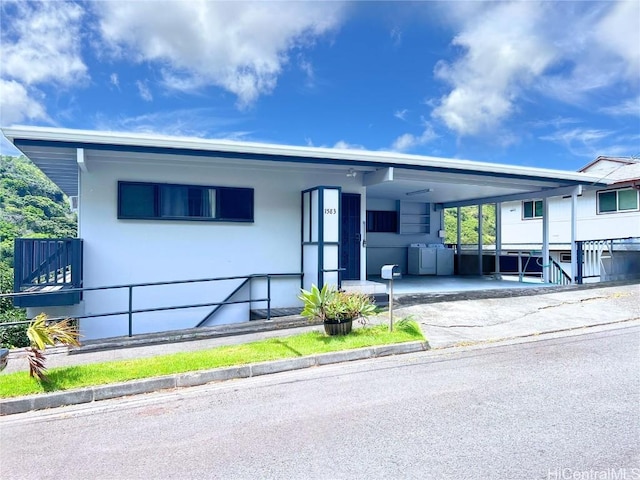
(328, 154)
(534, 195)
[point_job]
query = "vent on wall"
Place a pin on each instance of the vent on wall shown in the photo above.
(73, 203)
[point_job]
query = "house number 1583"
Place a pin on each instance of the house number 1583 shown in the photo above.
(330, 211)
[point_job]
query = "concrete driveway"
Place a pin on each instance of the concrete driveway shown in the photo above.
(462, 322)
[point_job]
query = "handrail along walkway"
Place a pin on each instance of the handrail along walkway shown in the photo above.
(131, 311)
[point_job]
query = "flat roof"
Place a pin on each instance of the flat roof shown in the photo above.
(49, 148)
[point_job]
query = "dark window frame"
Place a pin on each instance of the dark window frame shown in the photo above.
(617, 209)
(223, 195)
(534, 210)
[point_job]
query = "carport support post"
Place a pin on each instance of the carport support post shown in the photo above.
(545, 240)
(480, 239)
(498, 235)
(459, 239)
(574, 233)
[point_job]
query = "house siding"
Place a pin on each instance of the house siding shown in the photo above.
(590, 224)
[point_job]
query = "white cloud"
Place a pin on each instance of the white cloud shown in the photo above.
(239, 46)
(556, 122)
(630, 107)
(143, 90)
(396, 36)
(40, 46)
(590, 142)
(115, 81)
(17, 105)
(504, 51)
(409, 141)
(187, 122)
(619, 33)
(342, 145)
(401, 114)
(42, 43)
(509, 50)
(307, 68)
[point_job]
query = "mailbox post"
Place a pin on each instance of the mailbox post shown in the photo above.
(389, 272)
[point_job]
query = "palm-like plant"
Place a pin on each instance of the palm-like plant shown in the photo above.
(329, 304)
(42, 333)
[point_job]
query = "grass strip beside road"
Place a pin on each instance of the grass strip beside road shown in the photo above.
(311, 343)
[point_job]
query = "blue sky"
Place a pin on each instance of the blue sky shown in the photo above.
(546, 84)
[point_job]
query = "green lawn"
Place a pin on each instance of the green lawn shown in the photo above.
(66, 378)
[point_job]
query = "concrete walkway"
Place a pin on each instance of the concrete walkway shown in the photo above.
(445, 324)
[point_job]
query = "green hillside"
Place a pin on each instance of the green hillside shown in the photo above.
(30, 206)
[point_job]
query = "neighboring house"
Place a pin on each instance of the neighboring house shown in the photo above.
(607, 223)
(155, 208)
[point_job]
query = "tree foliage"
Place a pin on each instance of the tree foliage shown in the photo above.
(31, 205)
(469, 225)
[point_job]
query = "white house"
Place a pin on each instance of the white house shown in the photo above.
(607, 221)
(155, 209)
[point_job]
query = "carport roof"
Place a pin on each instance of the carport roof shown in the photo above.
(55, 152)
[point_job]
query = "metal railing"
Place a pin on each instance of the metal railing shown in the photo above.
(557, 275)
(45, 262)
(48, 264)
(592, 252)
(130, 311)
(592, 257)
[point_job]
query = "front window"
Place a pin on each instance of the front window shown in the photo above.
(532, 209)
(622, 200)
(157, 201)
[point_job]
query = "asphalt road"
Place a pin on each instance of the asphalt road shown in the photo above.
(563, 408)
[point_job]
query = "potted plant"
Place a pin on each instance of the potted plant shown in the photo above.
(336, 309)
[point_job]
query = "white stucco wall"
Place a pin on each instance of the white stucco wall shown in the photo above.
(136, 251)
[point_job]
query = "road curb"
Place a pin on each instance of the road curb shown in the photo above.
(10, 406)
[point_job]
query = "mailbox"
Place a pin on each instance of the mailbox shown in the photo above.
(389, 272)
